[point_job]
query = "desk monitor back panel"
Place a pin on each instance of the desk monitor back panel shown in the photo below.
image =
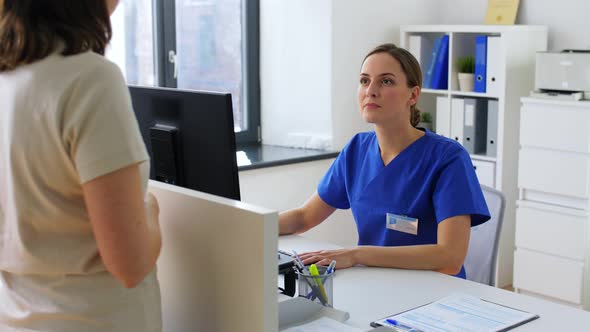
(218, 265)
(190, 138)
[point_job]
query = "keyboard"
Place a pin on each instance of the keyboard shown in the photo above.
(285, 260)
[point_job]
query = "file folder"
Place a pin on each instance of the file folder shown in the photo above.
(491, 143)
(481, 43)
(457, 109)
(443, 117)
(432, 63)
(421, 49)
(494, 74)
(440, 73)
(475, 125)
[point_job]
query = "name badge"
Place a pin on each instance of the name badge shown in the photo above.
(402, 224)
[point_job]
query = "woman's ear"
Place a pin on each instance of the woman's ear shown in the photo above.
(415, 94)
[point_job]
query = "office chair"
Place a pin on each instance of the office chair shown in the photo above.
(480, 262)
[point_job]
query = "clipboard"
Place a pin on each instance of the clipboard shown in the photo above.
(458, 312)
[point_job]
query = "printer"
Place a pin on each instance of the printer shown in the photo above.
(563, 72)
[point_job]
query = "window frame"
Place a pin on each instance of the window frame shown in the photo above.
(164, 16)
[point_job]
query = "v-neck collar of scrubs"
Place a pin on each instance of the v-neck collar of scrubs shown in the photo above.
(377, 150)
(374, 167)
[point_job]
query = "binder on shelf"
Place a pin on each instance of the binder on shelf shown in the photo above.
(492, 140)
(494, 57)
(481, 43)
(421, 49)
(440, 73)
(443, 116)
(431, 64)
(457, 109)
(475, 125)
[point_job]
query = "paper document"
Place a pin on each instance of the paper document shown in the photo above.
(463, 313)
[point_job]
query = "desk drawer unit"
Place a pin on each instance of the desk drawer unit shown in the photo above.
(551, 230)
(548, 275)
(556, 126)
(552, 235)
(554, 172)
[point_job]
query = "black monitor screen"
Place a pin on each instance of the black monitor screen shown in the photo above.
(190, 138)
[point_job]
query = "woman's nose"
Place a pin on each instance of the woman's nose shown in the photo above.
(372, 90)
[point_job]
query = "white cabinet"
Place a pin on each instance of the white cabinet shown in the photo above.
(552, 256)
(549, 275)
(485, 171)
(513, 64)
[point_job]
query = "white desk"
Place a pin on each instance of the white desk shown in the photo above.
(372, 293)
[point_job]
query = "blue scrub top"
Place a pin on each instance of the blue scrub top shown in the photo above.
(431, 180)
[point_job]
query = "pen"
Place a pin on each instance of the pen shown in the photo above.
(330, 268)
(298, 266)
(313, 270)
(404, 327)
(298, 259)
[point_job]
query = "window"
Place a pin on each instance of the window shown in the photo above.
(196, 45)
(209, 45)
(132, 46)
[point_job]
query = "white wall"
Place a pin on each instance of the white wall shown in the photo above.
(295, 72)
(567, 19)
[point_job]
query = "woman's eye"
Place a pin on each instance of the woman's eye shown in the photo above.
(364, 81)
(387, 81)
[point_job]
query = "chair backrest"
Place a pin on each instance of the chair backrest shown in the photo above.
(480, 263)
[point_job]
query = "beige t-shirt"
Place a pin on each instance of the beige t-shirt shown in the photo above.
(64, 121)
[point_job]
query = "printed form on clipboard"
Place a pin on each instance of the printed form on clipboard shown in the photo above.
(458, 312)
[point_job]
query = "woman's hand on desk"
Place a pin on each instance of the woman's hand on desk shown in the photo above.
(344, 258)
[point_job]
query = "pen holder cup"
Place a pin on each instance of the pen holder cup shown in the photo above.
(317, 288)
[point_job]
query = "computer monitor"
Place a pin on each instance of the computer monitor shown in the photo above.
(190, 138)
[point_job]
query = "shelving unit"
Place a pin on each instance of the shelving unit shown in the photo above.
(516, 67)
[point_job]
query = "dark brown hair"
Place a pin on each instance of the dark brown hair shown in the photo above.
(30, 30)
(410, 67)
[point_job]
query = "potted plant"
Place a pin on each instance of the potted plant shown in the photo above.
(465, 69)
(425, 120)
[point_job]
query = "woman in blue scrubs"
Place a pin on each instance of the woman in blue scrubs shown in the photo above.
(414, 194)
